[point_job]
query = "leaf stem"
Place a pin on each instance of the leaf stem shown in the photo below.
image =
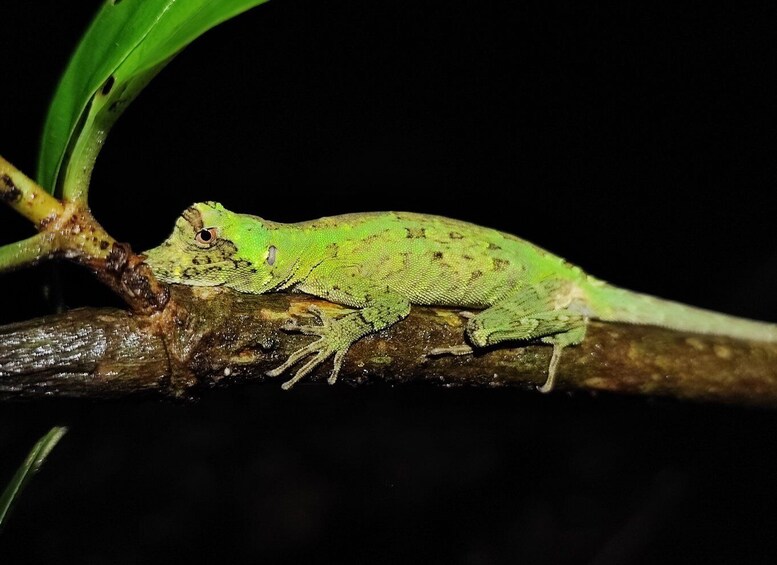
(27, 251)
(79, 170)
(26, 197)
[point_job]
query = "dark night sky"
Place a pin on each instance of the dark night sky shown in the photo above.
(637, 141)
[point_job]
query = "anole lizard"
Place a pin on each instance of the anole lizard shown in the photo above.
(379, 263)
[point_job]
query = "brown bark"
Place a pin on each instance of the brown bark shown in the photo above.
(208, 337)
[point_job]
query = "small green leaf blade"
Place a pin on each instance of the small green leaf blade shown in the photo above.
(126, 44)
(38, 454)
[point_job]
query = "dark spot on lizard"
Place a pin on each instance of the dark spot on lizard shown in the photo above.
(455, 235)
(500, 264)
(241, 264)
(467, 257)
(9, 192)
(415, 233)
(335, 288)
(104, 245)
(212, 269)
(201, 260)
(493, 247)
(475, 275)
(224, 250)
(373, 237)
(364, 318)
(437, 255)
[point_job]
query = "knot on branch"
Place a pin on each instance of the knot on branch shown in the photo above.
(131, 278)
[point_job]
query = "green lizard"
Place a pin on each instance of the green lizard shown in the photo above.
(379, 263)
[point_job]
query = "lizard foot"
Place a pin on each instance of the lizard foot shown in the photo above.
(330, 342)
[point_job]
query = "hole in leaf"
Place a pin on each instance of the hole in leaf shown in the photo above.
(108, 84)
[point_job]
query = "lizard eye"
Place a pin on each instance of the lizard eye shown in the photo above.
(206, 237)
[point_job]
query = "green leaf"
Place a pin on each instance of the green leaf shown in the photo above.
(28, 468)
(128, 42)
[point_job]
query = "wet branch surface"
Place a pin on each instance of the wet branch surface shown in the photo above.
(206, 338)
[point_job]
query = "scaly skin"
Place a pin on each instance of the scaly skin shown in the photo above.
(379, 263)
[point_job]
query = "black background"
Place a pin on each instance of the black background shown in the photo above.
(636, 141)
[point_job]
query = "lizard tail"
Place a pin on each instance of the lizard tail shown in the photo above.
(613, 304)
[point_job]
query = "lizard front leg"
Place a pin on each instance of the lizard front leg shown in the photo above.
(379, 308)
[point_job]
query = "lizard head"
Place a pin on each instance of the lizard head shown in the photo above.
(211, 246)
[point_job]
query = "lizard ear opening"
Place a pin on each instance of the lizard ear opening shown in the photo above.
(206, 237)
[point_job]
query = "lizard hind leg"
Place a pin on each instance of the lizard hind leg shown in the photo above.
(525, 318)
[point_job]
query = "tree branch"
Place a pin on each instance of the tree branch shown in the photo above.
(210, 337)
